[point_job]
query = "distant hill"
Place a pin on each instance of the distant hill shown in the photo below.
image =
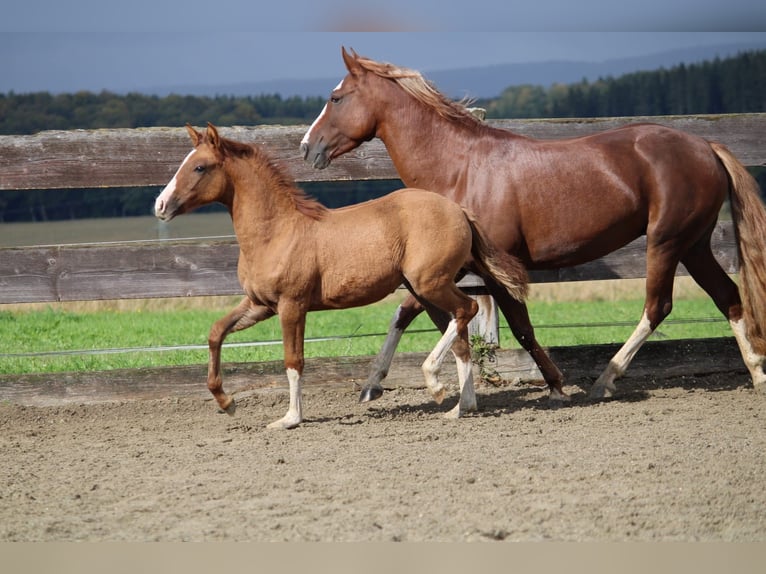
(481, 81)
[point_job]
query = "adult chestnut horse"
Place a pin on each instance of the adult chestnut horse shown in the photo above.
(298, 256)
(562, 202)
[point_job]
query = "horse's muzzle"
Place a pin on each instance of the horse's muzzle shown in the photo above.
(316, 155)
(163, 210)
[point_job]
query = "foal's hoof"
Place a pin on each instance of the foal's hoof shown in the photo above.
(439, 395)
(285, 423)
(371, 393)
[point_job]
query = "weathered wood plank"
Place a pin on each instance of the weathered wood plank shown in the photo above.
(123, 271)
(184, 268)
(150, 156)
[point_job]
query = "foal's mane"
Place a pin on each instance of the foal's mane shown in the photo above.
(413, 83)
(276, 176)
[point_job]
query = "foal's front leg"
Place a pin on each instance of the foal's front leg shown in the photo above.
(292, 317)
(244, 315)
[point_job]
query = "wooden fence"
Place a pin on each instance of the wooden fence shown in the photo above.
(176, 268)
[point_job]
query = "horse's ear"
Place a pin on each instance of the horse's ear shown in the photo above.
(350, 59)
(213, 137)
(193, 134)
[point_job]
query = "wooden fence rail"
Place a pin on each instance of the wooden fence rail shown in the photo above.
(140, 157)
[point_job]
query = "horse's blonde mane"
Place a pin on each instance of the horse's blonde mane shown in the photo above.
(278, 177)
(413, 83)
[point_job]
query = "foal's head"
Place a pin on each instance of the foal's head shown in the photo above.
(200, 179)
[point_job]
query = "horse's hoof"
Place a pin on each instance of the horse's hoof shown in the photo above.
(371, 394)
(230, 409)
(558, 397)
(601, 391)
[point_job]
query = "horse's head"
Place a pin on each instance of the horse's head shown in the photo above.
(200, 179)
(347, 120)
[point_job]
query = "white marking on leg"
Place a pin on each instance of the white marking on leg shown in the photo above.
(467, 400)
(294, 414)
(433, 362)
(161, 203)
(604, 386)
(753, 361)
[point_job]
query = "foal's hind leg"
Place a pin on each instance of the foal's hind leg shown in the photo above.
(455, 338)
(706, 271)
(244, 315)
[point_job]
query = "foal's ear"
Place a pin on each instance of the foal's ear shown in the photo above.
(213, 137)
(193, 134)
(350, 59)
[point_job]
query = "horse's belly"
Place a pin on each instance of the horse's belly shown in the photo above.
(574, 250)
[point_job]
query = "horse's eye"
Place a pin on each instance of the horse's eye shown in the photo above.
(335, 99)
(200, 169)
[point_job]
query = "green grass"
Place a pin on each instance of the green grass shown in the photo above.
(58, 330)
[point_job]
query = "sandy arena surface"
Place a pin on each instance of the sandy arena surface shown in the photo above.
(671, 459)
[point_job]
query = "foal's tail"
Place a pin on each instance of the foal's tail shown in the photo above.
(749, 217)
(504, 268)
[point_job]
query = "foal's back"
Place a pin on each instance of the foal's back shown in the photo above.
(364, 252)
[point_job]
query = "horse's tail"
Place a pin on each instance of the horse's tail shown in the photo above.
(489, 262)
(749, 218)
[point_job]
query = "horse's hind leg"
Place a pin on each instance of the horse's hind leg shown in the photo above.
(405, 314)
(706, 271)
(660, 274)
(244, 315)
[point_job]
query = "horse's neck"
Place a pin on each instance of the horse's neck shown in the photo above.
(420, 159)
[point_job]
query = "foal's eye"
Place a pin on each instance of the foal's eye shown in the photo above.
(335, 99)
(200, 169)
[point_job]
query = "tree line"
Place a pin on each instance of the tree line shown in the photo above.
(731, 85)
(720, 86)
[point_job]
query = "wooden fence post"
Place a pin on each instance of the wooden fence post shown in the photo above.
(486, 322)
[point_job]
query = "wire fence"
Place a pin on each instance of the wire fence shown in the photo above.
(355, 335)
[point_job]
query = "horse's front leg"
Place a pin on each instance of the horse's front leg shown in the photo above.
(292, 316)
(244, 315)
(517, 315)
(404, 315)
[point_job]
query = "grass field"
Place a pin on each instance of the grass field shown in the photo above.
(99, 335)
(130, 334)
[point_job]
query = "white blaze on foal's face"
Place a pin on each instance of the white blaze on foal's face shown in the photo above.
(163, 199)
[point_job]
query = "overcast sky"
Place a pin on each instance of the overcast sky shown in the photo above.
(50, 45)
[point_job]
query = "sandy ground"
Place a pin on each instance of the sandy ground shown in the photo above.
(680, 458)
